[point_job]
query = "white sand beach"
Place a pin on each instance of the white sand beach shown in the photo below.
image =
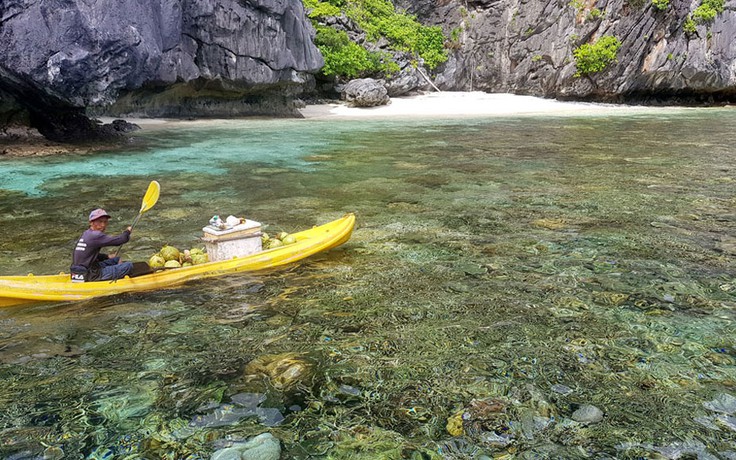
(469, 104)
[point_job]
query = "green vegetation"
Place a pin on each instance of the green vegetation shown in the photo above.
(581, 6)
(455, 33)
(689, 26)
(379, 20)
(708, 10)
(324, 9)
(346, 58)
(661, 4)
(595, 13)
(578, 5)
(594, 57)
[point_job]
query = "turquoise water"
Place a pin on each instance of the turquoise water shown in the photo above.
(504, 273)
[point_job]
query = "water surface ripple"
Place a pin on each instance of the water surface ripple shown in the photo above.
(516, 287)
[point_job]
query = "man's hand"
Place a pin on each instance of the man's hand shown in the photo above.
(129, 229)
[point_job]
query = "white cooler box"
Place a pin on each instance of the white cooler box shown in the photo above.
(239, 241)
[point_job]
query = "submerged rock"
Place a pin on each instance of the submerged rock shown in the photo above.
(244, 405)
(723, 403)
(263, 447)
(587, 414)
(284, 370)
(561, 389)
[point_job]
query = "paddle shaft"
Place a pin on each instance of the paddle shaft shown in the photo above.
(135, 221)
(149, 199)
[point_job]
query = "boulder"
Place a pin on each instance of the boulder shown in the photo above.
(365, 92)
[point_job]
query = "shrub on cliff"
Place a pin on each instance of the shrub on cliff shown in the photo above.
(708, 10)
(346, 58)
(380, 21)
(594, 57)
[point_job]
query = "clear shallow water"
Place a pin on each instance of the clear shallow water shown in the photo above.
(503, 273)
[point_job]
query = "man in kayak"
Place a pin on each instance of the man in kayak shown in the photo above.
(88, 263)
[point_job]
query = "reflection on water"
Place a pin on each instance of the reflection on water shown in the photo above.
(515, 288)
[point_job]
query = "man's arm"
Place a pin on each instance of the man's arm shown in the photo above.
(101, 240)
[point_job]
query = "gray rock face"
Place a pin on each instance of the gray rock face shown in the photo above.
(365, 92)
(182, 57)
(526, 47)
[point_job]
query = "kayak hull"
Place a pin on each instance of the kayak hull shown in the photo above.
(18, 290)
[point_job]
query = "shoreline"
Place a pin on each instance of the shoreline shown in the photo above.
(442, 105)
(474, 105)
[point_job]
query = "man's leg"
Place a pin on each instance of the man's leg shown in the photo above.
(115, 272)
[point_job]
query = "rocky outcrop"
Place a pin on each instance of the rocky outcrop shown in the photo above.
(154, 58)
(365, 92)
(526, 47)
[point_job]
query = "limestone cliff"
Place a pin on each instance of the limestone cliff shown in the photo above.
(526, 47)
(154, 58)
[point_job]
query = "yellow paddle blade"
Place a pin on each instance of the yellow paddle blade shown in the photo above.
(151, 196)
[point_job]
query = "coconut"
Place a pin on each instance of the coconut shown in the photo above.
(282, 235)
(172, 264)
(289, 239)
(196, 251)
(274, 243)
(169, 253)
(156, 261)
(264, 238)
(199, 259)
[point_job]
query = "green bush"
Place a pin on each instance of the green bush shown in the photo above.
(708, 10)
(595, 13)
(323, 9)
(689, 26)
(594, 57)
(661, 4)
(346, 58)
(378, 19)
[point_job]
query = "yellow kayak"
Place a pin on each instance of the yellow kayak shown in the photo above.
(15, 290)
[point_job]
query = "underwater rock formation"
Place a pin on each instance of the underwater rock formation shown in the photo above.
(262, 447)
(284, 371)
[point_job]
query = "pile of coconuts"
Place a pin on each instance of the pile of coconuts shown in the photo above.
(280, 239)
(171, 257)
